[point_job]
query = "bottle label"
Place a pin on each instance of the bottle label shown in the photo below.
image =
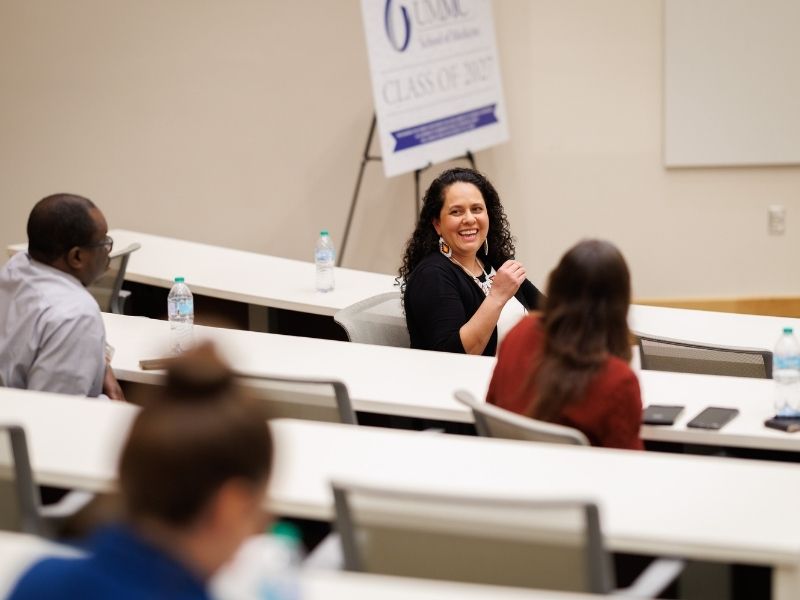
(185, 308)
(180, 308)
(786, 361)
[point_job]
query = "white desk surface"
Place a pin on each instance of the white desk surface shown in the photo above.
(708, 327)
(381, 379)
(704, 507)
(241, 276)
(753, 398)
(72, 441)
(334, 585)
(416, 383)
(713, 508)
(698, 507)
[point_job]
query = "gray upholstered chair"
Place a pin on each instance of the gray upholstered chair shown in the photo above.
(107, 290)
(493, 421)
(378, 320)
(550, 544)
(662, 354)
(308, 398)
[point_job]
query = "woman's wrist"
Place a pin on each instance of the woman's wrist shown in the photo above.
(495, 301)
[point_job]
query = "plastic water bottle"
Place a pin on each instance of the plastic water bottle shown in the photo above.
(281, 581)
(266, 567)
(325, 258)
(180, 310)
(786, 373)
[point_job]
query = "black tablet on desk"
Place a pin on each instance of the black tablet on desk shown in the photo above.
(713, 417)
(659, 414)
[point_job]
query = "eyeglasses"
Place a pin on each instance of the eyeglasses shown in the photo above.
(107, 243)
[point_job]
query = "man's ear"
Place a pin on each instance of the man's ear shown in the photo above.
(74, 257)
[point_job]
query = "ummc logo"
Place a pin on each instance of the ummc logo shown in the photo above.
(397, 17)
(399, 41)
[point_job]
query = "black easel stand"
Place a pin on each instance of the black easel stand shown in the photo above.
(367, 157)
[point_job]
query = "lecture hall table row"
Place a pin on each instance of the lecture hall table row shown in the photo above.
(272, 282)
(417, 383)
(704, 508)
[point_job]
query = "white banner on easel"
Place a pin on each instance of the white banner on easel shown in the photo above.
(435, 80)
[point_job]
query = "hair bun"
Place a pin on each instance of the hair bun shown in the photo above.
(198, 374)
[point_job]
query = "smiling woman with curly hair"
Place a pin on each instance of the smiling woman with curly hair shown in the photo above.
(461, 285)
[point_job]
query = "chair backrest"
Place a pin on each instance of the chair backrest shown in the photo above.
(19, 500)
(663, 354)
(303, 398)
(107, 289)
(527, 543)
(493, 421)
(378, 320)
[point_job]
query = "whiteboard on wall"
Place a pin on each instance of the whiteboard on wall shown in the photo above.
(731, 82)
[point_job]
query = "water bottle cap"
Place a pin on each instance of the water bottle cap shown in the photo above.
(324, 232)
(286, 530)
(788, 330)
(179, 280)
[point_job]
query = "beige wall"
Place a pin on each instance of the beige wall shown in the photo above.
(241, 123)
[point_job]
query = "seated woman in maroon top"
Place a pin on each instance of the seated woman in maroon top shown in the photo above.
(570, 365)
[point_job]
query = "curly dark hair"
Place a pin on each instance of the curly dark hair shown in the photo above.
(425, 240)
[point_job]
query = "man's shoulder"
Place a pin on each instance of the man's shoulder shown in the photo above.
(54, 305)
(28, 279)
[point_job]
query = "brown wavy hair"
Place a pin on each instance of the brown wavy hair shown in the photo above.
(585, 319)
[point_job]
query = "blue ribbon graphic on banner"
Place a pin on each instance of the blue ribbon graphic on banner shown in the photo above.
(445, 127)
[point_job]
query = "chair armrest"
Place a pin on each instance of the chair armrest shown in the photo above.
(327, 555)
(652, 581)
(67, 506)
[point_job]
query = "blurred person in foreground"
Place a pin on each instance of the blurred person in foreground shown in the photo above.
(192, 480)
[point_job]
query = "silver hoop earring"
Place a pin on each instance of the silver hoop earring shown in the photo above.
(444, 248)
(486, 247)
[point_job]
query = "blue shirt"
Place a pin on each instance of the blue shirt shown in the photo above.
(120, 566)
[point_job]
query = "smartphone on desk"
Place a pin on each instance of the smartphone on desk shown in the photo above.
(713, 417)
(788, 424)
(659, 414)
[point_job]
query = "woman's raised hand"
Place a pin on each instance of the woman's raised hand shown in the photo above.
(507, 280)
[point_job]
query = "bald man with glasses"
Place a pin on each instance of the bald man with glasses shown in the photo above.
(52, 336)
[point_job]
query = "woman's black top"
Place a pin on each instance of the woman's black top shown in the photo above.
(440, 298)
